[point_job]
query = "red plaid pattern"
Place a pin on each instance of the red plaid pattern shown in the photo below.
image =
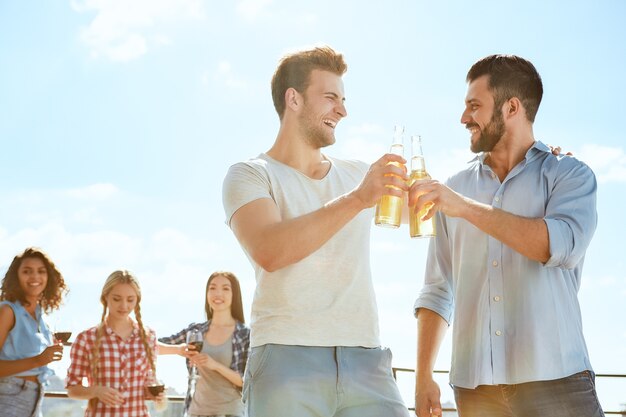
(122, 365)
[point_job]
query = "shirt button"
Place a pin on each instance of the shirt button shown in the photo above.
(493, 175)
(498, 333)
(496, 298)
(494, 263)
(497, 199)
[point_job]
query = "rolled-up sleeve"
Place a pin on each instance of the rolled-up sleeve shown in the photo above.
(79, 365)
(436, 294)
(571, 215)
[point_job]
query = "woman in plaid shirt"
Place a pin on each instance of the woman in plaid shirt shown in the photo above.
(117, 356)
(222, 360)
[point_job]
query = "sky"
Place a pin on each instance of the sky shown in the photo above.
(120, 118)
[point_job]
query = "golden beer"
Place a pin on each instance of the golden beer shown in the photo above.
(417, 226)
(389, 207)
(389, 211)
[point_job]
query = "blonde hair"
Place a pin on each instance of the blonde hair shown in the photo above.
(118, 277)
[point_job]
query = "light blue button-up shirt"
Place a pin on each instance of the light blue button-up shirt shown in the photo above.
(515, 320)
(27, 338)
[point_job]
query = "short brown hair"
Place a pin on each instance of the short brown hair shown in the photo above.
(510, 76)
(55, 288)
(294, 71)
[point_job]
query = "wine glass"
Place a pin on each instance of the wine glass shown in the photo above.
(194, 338)
(62, 332)
(156, 387)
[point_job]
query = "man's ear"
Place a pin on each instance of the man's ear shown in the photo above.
(512, 107)
(292, 98)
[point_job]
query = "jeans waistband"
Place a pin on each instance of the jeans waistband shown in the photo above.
(22, 382)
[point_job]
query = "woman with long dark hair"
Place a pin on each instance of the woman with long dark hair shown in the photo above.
(221, 361)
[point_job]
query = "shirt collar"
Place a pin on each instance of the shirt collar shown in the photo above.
(533, 152)
(110, 331)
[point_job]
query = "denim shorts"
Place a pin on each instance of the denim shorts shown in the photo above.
(310, 381)
(572, 396)
(20, 398)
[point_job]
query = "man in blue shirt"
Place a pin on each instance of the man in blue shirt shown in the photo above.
(505, 267)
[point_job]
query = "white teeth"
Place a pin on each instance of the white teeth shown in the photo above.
(330, 123)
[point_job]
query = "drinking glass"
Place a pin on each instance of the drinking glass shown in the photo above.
(194, 338)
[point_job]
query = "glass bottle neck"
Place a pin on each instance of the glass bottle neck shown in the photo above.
(418, 163)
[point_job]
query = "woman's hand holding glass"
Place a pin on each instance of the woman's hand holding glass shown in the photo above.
(51, 353)
(194, 347)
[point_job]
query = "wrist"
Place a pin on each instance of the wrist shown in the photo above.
(354, 200)
(424, 375)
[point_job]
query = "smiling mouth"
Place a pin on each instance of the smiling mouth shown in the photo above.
(330, 123)
(473, 129)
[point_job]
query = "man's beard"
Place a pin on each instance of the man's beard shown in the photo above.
(315, 135)
(490, 135)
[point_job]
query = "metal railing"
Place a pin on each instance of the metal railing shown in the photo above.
(447, 409)
(181, 398)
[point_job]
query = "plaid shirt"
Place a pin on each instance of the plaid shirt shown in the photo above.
(122, 364)
(240, 342)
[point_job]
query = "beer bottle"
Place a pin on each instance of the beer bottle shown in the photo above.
(389, 207)
(417, 226)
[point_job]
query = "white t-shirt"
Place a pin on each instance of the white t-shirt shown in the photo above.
(326, 299)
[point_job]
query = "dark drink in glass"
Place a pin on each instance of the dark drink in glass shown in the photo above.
(63, 337)
(197, 346)
(156, 389)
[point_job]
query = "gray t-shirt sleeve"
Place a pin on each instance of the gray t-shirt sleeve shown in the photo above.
(244, 183)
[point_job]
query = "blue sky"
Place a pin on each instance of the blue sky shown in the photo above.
(119, 119)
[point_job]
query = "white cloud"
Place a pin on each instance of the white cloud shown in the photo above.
(224, 75)
(98, 192)
(123, 30)
(608, 163)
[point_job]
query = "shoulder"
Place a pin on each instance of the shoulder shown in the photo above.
(88, 335)
(242, 331)
(7, 307)
(252, 166)
(202, 326)
(563, 167)
(150, 333)
(7, 315)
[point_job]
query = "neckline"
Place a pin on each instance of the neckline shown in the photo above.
(268, 158)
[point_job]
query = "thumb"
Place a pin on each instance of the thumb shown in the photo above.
(436, 409)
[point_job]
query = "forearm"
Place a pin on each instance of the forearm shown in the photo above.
(165, 349)
(431, 329)
(8, 368)
(528, 236)
(80, 392)
(232, 376)
(284, 242)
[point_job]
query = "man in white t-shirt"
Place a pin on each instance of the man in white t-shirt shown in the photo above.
(303, 219)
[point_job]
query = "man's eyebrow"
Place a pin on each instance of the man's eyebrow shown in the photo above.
(335, 95)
